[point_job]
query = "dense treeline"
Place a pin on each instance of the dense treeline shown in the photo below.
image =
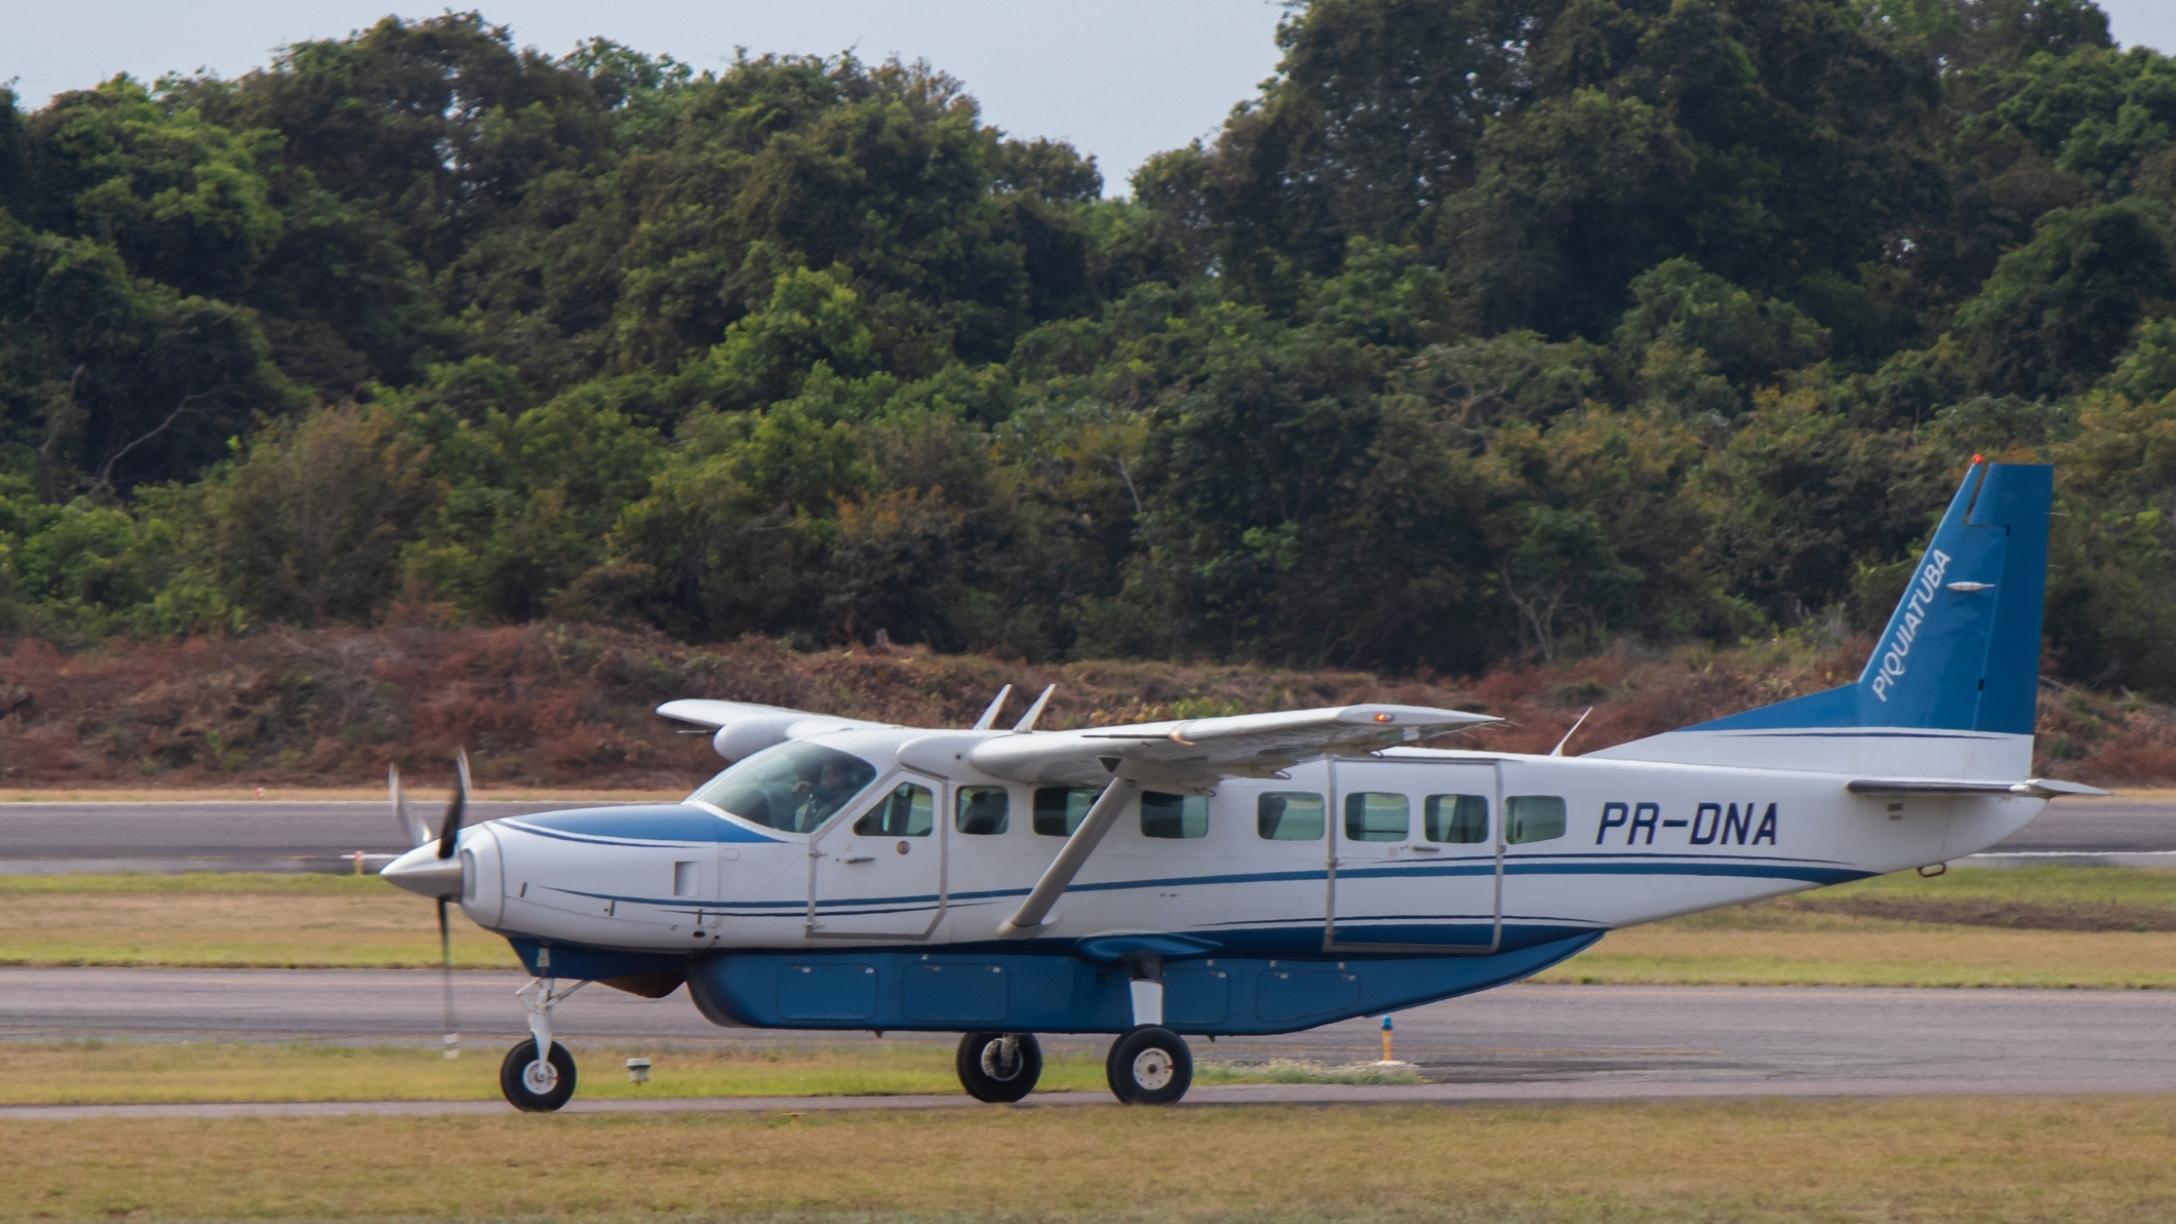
(1490, 328)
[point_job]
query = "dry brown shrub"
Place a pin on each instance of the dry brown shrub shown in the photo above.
(550, 704)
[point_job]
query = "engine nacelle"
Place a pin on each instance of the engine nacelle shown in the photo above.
(744, 736)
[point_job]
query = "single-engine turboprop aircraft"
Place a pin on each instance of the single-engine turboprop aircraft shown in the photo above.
(1252, 874)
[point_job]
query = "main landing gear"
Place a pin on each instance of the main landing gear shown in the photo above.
(537, 1075)
(1148, 1064)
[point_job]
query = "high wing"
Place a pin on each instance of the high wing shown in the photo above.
(703, 712)
(1191, 754)
(743, 727)
(1195, 753)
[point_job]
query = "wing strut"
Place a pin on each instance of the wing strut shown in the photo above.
(1059, 875)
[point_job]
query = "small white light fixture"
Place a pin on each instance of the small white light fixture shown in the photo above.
(638, 1070)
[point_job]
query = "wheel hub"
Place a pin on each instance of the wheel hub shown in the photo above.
(1152, 1069)
(540, 1077)
(996, 1064)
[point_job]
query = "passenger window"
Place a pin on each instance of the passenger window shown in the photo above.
(1533, 818)
(1456, 819)
(1183, 816)
(909, 811)
(1289, 816)
(1376, 816)
(983, 809)
(1060, 809)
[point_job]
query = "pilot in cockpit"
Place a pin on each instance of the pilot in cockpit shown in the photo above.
(833, 786)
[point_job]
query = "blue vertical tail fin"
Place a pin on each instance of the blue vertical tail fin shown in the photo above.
(1951, 687)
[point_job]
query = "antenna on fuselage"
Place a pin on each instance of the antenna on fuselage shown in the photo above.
(1559, 749)
(1027, 720)
(989, 715)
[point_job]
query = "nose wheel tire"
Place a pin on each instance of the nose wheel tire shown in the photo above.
(536, 1085)
(990, 1071)
(1149, 1065)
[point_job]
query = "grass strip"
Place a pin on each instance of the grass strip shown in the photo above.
(2054, 927)
(229, 920)
(98, 1072)
(110, 1072)
(1873, 952)
(1903, 1159)
(2147, 894)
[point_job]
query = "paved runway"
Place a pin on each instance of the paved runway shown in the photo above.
(1522, 1042)
(213, 836)
(307, 836)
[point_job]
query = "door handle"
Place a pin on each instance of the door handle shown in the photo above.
(859, 858)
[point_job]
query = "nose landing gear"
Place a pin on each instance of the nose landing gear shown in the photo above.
(537, 1085)
(999, 1067)
(537, 1075)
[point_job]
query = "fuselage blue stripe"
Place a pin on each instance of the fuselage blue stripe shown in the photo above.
(599, 841)
(1750, 870)
(1462, 864)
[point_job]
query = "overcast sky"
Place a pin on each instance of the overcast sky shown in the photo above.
(1120, 79)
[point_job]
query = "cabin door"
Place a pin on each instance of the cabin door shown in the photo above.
(878, 872)
(1415, 860)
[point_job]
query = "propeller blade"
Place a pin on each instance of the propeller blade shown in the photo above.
(451, 829)
(411, 825)
(445, 967)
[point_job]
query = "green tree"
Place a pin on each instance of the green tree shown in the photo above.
(310, 518)
(182, 199)
(1562, 573)
(1369, 128)
(1576, 194)
(1750, 341)
(2058, 310)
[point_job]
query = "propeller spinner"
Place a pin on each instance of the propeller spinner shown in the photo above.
(430, 869)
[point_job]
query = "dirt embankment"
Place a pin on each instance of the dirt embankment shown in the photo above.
(567, 705)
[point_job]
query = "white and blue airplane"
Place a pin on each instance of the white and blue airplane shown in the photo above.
(1252, 874)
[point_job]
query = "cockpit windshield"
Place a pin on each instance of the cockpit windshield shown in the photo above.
(793, 786)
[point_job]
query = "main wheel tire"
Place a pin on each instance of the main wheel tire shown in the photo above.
(988, 1075)
(535, 1085)
(1149, 1065)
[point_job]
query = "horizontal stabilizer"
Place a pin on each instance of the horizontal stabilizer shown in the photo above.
(2038, 788)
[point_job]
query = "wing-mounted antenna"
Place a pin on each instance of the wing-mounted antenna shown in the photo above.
(1559, 749)
(1027, 720)
(989, 715)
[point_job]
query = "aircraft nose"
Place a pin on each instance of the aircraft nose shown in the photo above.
(421, 871)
